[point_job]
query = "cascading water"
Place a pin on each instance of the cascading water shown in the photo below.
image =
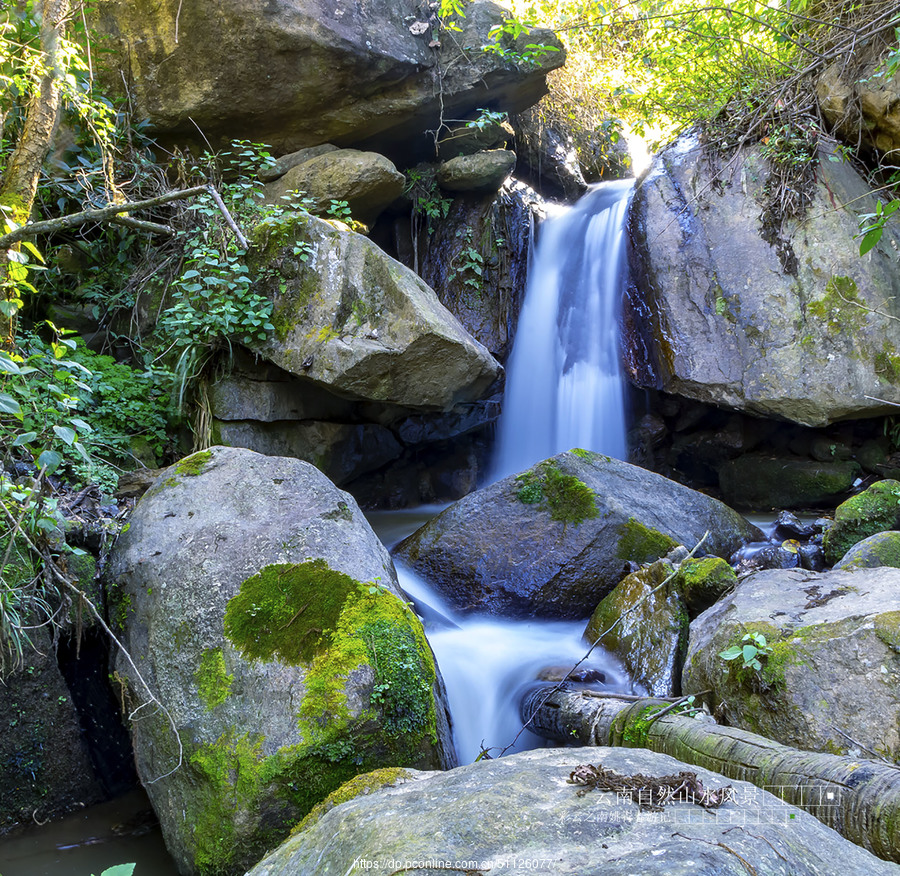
(564, 387)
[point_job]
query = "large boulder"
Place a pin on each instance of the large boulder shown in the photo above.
(350, 318)
(799, 328)
(553, 541)
(481, 172)
(264, 615)
(520, 814)
(367, 181)
(297, 73)
(832, 679)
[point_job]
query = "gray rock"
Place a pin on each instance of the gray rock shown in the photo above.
(367, 181)
(224, 553)
(881, 549)
(361, 324)
(875, 509)
(795, 330)
(468, 139)
(835, 662)
(482, 172)
(553, 541)
(308, 72)
(648, 632)
(341, 451)
(285, 162)
(518, 814)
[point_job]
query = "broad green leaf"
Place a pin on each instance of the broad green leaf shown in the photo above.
(65, 434)
(24, 438)
(8, 366)
(8, 405)
(50, 460)
(749, 653)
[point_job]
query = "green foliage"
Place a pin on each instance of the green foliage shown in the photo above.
(752, 651)
(871, 225)
(428, 203)
(213, 680)
(485, 119)
(119, 870)
(468, 263)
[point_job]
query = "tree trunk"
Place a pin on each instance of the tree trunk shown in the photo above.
(20, 179)
(860, 799)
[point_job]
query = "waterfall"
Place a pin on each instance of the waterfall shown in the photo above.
(564, 384)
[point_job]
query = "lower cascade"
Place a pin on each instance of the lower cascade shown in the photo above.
(564, 387)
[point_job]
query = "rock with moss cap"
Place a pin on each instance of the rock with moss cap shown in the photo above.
(881, 549)
(265, 615)
(651, 637)
(702, 582)
(519, 814)
(350, 318)
(554, 540)
(831, 681)
(876, 509)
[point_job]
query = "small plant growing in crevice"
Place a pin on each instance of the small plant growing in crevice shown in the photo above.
(751, 651)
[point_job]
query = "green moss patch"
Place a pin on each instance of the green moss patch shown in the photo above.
(642, 544)
(194, 464)
(876, 509)
(887, 628)
(213, 681)
(840, 308)
(703, 582)
(356, 787)
(286, 610)
(565, 497)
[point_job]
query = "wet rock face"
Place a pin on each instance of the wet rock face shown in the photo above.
(297, 73)
(795, 330)
(829, 681)
(553, 541)
(265, 615)
(521, 809)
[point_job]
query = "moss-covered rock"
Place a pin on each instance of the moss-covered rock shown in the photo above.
(652, 636)
(881, 549)
(270, 626)
(876, 509)
(830, 667)
(703, 582)
(554, 540)
(758, 480)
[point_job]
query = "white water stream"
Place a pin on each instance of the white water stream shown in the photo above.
(564, 384)
(488, 662)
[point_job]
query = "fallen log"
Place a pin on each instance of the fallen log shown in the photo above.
(860, 799)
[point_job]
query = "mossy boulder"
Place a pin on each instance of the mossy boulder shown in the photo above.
(701, 583)
(350, 318)
(651, 639)
(830, 670)
(759, 480)
(876, 509)
(519, 815)
(264, 614)
(367, 181)
(554, 540)
(881, 549)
